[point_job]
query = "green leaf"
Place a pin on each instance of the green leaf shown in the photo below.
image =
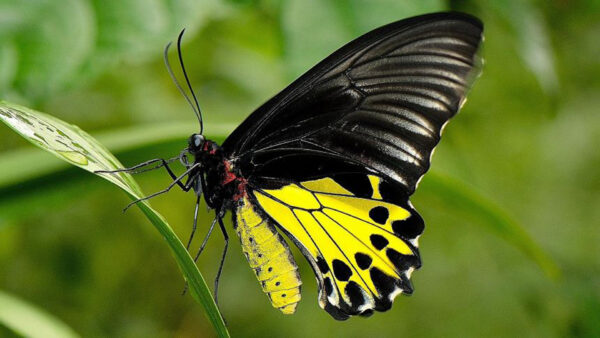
(471, 204)
(53, 40)
(73, 145)
(48, 46)
(30, 321)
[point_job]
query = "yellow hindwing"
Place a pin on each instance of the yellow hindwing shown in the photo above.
(360, 260)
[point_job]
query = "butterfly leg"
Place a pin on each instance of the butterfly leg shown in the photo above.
(163, 164)
(226, 237)
(205, 240)
(134, 170)
(187, 247)
(206, 237)
(176, 181)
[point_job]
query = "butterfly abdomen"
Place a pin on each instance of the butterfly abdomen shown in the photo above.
(269, 256)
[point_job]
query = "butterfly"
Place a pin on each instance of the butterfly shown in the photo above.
(331, 161)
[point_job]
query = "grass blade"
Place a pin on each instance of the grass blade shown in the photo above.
(73, 145)
(28, 320)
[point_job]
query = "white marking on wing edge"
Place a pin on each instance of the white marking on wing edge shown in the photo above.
(370, 304)
(409, 272)
(334, 299)
(394, 293)
(462, 103)
(415, 241)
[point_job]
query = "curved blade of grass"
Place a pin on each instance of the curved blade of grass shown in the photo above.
(460, 196)
(75, 146)
(22, 165)
(28, 320)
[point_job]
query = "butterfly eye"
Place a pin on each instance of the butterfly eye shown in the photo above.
(198, 140)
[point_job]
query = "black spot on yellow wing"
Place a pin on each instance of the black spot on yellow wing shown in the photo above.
(379, 242)
(402, 262)
(392, 193)
(323, 267)
(341, 270)
(357, 184)
(328, 286)
(379, 214)
(355, 294)
(410, 227)
(384, 283)
(363, 260)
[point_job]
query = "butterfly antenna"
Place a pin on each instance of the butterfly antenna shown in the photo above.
(172, 75)
(187, 80)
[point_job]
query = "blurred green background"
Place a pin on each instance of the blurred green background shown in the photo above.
(526, 141)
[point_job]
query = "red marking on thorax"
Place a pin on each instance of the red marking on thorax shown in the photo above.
(230, 177)
(242, 192)
(205, 148)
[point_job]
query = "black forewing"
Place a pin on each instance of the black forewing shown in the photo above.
(379, 102)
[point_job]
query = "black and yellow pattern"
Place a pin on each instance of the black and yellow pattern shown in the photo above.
(332, 160)
(355, 242)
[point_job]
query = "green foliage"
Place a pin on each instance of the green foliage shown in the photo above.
(51, 45)
(514, 188)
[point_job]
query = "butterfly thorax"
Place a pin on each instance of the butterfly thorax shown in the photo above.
(223, 186)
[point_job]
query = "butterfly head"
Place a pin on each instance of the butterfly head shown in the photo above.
(195, 143)
(200, 147)
(211, 169)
